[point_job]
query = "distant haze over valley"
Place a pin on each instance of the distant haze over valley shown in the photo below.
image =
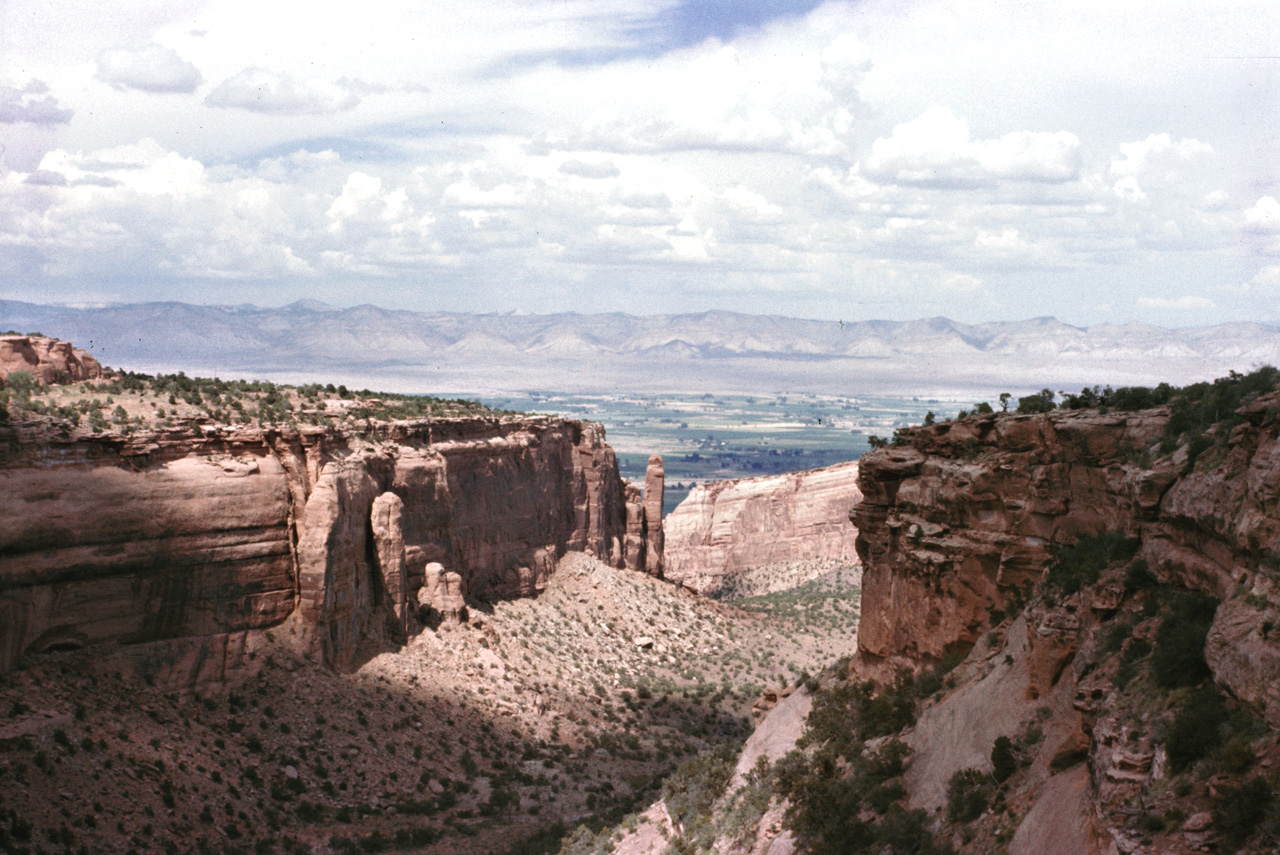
(470, 354)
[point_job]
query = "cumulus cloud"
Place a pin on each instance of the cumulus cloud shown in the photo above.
(596, 169)
(264, 91)
(1264, 216)
(1157, 162)
(935, 149)
(153, 68)
(31, 104)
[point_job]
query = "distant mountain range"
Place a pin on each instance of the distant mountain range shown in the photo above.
(452, 353)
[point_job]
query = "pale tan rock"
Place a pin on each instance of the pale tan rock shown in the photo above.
(1061, 820)
(726, 528)
(1241, 656)
(444, 592)
(654, 479)
(388, 537)
(636, 538)
(95, 550)
(1053, 646)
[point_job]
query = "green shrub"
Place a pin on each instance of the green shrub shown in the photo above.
(1003, 763)
(1138, 576)
(1178, 655)
(1082, 563)
(1040, 402)
(1196, 728)
(696, 784)
(1237, 811)
(968, 794)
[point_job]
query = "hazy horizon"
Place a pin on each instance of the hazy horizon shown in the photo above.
(717, 351)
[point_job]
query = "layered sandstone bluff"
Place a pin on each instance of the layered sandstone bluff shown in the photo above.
(725, 530)
(48, 360)
(958, 524)
(188, 541)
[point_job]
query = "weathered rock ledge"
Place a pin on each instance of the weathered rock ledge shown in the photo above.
(189, 540)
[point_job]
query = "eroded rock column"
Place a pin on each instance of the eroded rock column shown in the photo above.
(654, 482)
(388, 538)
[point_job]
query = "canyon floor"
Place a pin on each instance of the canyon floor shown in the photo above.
(537, 715)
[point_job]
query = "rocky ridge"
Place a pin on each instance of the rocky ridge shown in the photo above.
(729, 537)
(957, 526)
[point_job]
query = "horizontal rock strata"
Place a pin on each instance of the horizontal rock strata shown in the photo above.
(959, 520)
(725, 528)
(207, 532)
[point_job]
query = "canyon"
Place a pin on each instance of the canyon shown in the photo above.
(1050, 603)
(1079, 584)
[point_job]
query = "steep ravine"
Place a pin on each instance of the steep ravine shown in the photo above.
(1096, 594)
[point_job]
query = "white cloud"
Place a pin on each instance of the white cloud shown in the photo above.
(1155, 162)
(1033, 157)
(1264, 215)
(935, 149)
(264, 91)
(1265, 283)
(31, 104)
(153, 68)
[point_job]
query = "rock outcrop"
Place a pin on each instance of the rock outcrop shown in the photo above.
(206, 533)
(444, 593)
(654, 486)
(726, 528)
(48, 360)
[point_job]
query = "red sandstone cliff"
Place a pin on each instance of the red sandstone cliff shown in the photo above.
(961, 518)
(47, 359)
(966, 512)
(185, 541)
(727, 528)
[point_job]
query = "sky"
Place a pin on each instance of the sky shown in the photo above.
(1098, 161)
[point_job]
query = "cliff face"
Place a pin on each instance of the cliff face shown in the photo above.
(726, 528)
(206, 534)
(961, 518)
(47, 359)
